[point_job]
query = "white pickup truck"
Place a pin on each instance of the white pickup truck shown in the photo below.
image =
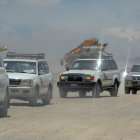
(30, 78)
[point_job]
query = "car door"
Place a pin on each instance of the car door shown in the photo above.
(47, 75)
(43, 74)
(106, 72)
(111, 71)
(115, 71)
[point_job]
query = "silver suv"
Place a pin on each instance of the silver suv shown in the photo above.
(132, 80)
(4, 91)
(87, 75)
(30, 77)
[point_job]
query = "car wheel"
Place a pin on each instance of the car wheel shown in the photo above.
(134, 91)
(82, 94)
(47, 99)
(96, 90)
(127, 91)
(114, 90)
(33, 100)
(4, 110)
(63, 93)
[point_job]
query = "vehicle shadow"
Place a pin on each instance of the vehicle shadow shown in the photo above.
(8, 116)
(25, 104)
(90, 97)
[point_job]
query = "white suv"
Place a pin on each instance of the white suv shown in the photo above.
(30, 77)
(87, 75)
(4, 91)
(132, 80)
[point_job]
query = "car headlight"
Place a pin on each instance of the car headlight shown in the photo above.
(62, 78)
(27, 83)
(88, 78)
(128, 78)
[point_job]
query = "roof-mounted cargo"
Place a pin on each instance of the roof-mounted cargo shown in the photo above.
(103, 55)
(25, 56)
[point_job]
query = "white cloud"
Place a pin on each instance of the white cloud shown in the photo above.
(4, 1)
(120, 32)
(39, 2)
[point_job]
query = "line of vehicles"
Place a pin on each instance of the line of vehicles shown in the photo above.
(27, 76)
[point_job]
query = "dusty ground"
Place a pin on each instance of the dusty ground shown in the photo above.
(74, 118)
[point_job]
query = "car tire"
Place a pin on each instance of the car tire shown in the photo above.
(62, 93)
(82, 94)
(4, 110)
(127, 90)
(33, 100)
(96, 90)
(134, 91)
(114, 90)
(47, 99)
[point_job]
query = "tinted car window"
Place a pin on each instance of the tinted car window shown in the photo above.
(114, 65)
(104, 66)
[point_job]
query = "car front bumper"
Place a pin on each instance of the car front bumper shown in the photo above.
(21, 92)
(132, 84)
(76, 86)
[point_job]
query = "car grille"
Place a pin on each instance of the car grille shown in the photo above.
(75, 78)
(14, 82)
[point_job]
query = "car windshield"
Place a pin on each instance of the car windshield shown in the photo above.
(20, 66)
(136, 68)
(84, 65)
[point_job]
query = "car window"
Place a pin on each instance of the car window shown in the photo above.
(85, 65)
(20, 67)
(43, 67)
(103, 66)
(114, 65)
(46, 66)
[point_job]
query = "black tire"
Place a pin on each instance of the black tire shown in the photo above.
(127, 91)
(33, 100)
(114, 90)
(62, 93)
(4, 110)
(96, 90)
(134, 91)
(47, 99)
(82, 94)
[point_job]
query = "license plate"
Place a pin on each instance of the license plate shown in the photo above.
(73, 85)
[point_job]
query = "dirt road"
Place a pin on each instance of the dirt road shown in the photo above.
(74, 118)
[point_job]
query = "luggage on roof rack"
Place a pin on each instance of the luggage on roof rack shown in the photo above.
(25, 56)
(104, 55)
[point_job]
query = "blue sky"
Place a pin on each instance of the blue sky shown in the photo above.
(60, 25)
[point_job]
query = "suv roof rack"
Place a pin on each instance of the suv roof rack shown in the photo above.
(104, 55)
(25, 56)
